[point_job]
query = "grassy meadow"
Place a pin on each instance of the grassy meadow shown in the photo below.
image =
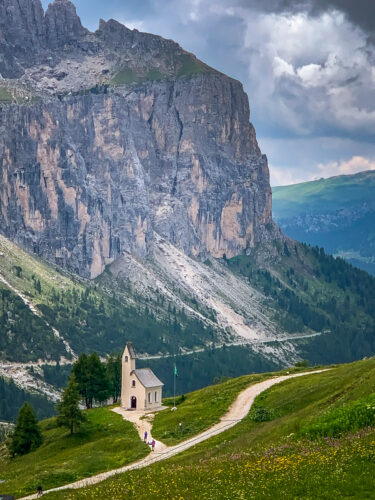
(272, 458)
(103, 443)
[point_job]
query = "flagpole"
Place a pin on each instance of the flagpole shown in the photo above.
(174, 386)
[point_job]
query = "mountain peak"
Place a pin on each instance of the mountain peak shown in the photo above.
(62, 24)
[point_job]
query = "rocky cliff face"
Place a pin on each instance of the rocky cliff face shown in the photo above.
(113, 136)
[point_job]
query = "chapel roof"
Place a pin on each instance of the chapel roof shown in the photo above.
(147, 377)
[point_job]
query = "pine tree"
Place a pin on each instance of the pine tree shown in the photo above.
(81, 373)
(91, 376)
(98, 383)
(27, 435)
(69, 413)
(114, 375)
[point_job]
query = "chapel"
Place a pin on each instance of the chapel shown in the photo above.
(140, 387)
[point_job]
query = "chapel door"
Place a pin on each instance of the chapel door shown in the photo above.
(133, 402)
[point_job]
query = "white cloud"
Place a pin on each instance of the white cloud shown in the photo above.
(352, 166)
(283, 176)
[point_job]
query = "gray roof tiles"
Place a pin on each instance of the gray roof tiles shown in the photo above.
(147, 377)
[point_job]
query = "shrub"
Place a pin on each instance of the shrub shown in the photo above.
(260, 414)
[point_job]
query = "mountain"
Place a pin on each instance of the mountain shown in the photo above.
(337, 214)
(114, 138)
(135, 204)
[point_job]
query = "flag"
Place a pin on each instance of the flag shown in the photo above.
(175, 370)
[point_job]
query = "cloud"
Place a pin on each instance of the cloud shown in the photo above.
(281, 176)
(359, 12)
(353, 166)
(307, 65)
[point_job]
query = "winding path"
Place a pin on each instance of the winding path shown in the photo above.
(237, 411)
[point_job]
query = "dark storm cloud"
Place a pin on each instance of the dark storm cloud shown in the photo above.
(359, 12)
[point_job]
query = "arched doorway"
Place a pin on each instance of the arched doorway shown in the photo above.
(133, 402)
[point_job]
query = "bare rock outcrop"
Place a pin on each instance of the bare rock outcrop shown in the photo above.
(126, 135)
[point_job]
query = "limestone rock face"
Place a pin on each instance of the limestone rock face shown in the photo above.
(88, 175)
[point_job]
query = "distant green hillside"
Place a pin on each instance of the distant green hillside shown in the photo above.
(266, 455)
(337, 214)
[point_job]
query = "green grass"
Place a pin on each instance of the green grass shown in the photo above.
(5, 95)
(185, 64)
(323, 195)
(199, 410)
(126, 75)
(352, 416)
(189, 65)
(104, 442)
(268, 459)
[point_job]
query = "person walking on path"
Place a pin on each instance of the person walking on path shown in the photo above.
(145, 437)
(39, 491)
(153, 445)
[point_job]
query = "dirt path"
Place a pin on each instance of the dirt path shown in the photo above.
(142, 425)
(237, 411)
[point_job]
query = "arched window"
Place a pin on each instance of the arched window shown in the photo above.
(126, 359)
(133, 383)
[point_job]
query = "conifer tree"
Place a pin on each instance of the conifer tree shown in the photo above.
(27, 435)
(114, 375)
(91, 376)
(81, 373)
(69, 413)
(98, 383)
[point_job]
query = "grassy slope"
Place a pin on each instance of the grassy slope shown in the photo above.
(317, 199)
(308, 290)
(268, 459)
(199, 410)
(106, 319)
(5, 95)
(323, 195)
(183, 65)
(104, 442)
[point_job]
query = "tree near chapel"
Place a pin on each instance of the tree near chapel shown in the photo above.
(69, 413)
(27, 435)
(114, 375)
(92, 379)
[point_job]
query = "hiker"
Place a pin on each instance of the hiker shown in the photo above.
(145, 437)
(180, 426)
(153, 445)
(39, 491)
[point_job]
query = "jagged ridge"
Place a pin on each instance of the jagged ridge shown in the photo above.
(88, 175)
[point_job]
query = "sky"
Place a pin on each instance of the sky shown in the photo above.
(308, 67)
